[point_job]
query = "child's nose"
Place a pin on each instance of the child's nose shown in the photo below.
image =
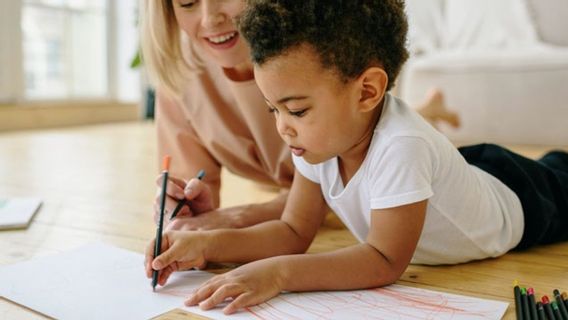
(284, 129)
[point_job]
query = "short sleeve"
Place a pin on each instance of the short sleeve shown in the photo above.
(307, 170)
(402, 173)
(177, 138)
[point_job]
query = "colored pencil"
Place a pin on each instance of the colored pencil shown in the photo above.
(561, 305)
(540, 311)
(518, 305)
(532, 304)
(556, 310)
(548, 308)
(158, 243)
(525, 304)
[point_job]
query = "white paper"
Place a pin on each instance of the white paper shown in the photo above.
(392, 302)
(17, 212)
(99, 281)
(95, 281)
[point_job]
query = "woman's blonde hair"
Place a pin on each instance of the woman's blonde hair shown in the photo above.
(166, 51)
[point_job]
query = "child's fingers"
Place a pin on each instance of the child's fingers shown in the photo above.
(242, 301)
(148, 257)
(202, 293)
(167, 256)
(150, 248)
(165, 274)
(228, 290)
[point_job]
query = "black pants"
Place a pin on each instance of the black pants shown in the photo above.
(541, 185)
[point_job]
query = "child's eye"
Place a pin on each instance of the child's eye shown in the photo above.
(298, 113)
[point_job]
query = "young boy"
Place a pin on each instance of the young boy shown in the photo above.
(407, 194)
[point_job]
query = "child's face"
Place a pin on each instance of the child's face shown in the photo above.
(210, 25)
(316, 114)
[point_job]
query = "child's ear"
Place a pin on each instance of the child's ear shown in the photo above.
(373, 84)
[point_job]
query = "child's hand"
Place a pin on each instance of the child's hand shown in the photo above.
(180, 251)
(247, 285)
(195, 190)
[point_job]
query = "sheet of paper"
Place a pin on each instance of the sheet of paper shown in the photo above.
(96, 281)
(392, 302)
(17, 212)
(99, 281)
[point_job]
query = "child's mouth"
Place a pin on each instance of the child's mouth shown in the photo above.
(298, 152)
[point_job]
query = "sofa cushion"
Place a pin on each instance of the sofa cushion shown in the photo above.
(551, 20)
(506, 96)
(488, 24)
(425, 25)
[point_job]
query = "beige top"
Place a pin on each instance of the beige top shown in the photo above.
(219, 122)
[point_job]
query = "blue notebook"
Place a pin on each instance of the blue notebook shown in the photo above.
(17, 213)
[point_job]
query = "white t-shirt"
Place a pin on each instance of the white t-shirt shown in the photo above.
(470, 215)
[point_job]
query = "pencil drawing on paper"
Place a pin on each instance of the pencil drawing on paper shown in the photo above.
(392, 302)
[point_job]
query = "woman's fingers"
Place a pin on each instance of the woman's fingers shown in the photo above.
(174, 187)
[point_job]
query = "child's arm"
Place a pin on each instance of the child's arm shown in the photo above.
(391, 242)
(294, 233)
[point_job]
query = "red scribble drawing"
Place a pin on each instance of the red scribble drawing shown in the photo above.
(392, 302)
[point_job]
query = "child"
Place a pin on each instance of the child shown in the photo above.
(207, 115)
(405, 192)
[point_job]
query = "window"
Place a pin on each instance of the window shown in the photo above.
(65, 49)
(55, 50)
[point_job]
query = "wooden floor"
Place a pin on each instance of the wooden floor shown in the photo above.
(97, 183)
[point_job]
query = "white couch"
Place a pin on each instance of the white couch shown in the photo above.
(501, 64)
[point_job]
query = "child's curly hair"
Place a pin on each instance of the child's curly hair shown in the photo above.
(348, 35)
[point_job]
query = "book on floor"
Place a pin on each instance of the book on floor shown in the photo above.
(17, 213)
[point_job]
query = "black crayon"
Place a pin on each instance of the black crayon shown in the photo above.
(562, 308)
(556, 310)
(525, 304)
(532, 304)
(540, 311)
(548, 308)
(518, 307)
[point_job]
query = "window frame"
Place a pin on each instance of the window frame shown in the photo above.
(12, 74)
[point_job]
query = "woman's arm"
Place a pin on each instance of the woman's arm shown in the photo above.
(176, 137)
(292, 234)
(232, 217)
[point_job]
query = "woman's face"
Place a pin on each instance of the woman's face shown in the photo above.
(210, 25)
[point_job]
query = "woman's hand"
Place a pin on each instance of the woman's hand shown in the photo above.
(196, 191)
(248, 285)
(180, 251)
